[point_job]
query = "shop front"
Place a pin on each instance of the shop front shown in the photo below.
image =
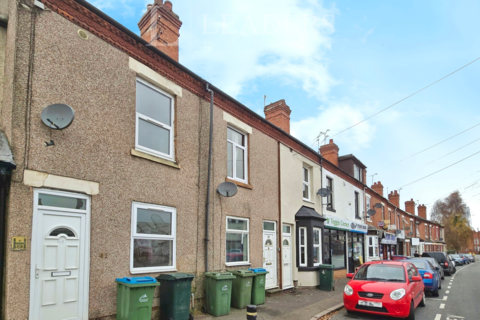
(416, 246)
(343, 243)
(388, 246)
(402, 247)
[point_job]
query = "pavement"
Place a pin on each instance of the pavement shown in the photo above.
(459, 299)
(298, 304)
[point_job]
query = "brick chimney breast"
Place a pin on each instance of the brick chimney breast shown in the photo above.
(330, 152)
(160, 27)
(278, 113)
(422, 211)
(394, 198)
(410, 206)
(378, 188)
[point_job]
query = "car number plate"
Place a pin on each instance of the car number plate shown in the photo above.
(370, 304)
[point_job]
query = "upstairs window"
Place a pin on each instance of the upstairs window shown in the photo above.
(306, 184)
(368, 205)
(236, 155)
(154, 121)
(357, 171)
(330, 197)
(357, 208)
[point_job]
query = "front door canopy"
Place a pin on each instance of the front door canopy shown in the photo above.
(6, 155)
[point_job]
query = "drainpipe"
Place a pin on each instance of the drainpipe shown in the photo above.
(5, 175)
(207, 205)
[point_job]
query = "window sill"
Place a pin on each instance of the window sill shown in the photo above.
(152, 271)
(240, 184)
(306, 269)
(331, 209)
(309, 201)
(238, 264)
(150, 157)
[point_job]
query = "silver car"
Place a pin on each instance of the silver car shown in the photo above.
(435, 264)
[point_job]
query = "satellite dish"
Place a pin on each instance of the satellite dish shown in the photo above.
(377, 205)
(227, 189)
(58, 116)
(398, 232)
(417, 222)
(407, 228)
(324, 192)
(371, 212)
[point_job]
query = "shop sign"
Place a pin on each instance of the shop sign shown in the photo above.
(401, 235)
(389, 239)
(392, 227)
(415, 241)
(344, 224)
(381, 224)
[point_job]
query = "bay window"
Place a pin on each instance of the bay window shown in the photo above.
(303, 247)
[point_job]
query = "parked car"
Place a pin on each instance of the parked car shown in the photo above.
(392, 288)
(234, 255)
(465, 258)
(458, 260)
(430, 275)
(435, 264)
(471, 257)
(395, 258)
(442, 260)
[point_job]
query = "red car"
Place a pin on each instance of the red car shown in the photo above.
(388, 288)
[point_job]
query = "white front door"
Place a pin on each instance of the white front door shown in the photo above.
(59, 269)
(270, 253)
(287, 261)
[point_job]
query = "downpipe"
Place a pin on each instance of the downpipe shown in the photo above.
(207, 205)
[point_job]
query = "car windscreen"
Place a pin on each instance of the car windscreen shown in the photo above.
(381, 272)
(420, 264)
(456, 256)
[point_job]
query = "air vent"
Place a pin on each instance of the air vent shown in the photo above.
(82, 34)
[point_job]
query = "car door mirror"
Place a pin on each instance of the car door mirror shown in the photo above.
(416, 279)
(349, 275)
(437, 268)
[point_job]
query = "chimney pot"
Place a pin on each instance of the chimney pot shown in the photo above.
(378, 188)
(330, 152)
(169, 5)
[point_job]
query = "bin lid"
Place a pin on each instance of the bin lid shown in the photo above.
(220, 275)
(259, 270)
(244, 273)
(326, 266)
(175, 276)
(137, 280)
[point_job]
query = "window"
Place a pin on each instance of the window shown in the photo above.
(412, 230)
(236, 155)
(390, 217)
(357, 171)
(237, 241)
(426, 235)
(372, 246)
(418, 231)
(430, 231)
(330, 197)
(317, 256)
(383, 212)
(286, 229)
(153, 240)
(397, 223)
(303, 247)
(306, 184)
(368, 201)
(357, 208)
(154, 121)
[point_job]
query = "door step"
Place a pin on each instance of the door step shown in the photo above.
(273, 291)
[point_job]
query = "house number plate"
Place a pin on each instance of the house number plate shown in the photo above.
(61, 273)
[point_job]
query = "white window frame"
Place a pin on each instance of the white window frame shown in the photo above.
(373, 245)
(300, 246)
(332, 195)
(319, 246)
(357, 172)
(170, 127)
(356, 201)
(306, 183)
(135, 235)
(234, 155)
(368, 203)
(242, 232)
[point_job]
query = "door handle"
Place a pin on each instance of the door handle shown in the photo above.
(37, 269)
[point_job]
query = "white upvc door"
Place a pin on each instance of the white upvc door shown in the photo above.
(60, 257)
(287, 261)
(270, 254)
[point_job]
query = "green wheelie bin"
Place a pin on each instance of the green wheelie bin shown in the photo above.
(218, 287)
(326, 277)
(135, 297)
(242, 288)
(258, 287)
(175, 295)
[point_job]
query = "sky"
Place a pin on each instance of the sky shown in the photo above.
(339, 62)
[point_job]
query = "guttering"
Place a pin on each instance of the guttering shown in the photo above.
(207, 205)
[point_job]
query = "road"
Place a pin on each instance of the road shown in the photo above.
(459, 299)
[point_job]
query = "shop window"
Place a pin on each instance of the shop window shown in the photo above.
(372, 243)
(338, 248)
(303, 247)
(237, 236)
(153, 239)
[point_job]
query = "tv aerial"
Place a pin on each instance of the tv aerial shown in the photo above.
(57, 116)
(227, 189)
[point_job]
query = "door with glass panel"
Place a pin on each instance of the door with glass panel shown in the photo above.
(287, 257)
(60, 263)
(270, 253)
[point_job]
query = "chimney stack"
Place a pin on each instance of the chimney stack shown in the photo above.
(330, 152)
(160, 27)
(378, 188)
(410, 206)
(278, 113)
(422, 211)
(394, 198)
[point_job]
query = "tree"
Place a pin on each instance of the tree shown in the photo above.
(451, 212)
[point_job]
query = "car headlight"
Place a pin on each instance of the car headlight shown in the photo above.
(348, 290)
(397, 294)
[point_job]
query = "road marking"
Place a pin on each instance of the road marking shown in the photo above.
(448, 291)
(438, 317)
(445, 298)
(449, 287)
(442, 306)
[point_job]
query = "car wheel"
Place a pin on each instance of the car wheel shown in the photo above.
(423, 302)
(435, 293)
(350, 311)
(411, 315)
